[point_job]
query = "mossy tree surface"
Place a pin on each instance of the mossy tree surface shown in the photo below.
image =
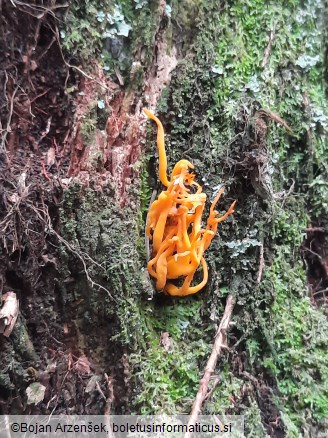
(247, 71)
(243, 58)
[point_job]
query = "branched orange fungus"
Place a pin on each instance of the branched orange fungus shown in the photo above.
(174, 224)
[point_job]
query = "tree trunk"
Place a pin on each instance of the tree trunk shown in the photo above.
(240, 89)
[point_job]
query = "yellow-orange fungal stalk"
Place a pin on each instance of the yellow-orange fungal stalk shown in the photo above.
(174, 225)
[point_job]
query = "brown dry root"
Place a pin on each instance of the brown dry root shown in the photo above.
(220, 343)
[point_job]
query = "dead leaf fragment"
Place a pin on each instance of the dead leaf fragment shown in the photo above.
(35, 393)
(82, 365)
(166, 341)
(92, 383)
(51, 156)
(8, 313)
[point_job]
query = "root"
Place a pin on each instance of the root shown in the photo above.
(19, 198)
(81, 255)
(268, 49)
(7, 129)
(220, 343)
(261, 265)
(109, 402)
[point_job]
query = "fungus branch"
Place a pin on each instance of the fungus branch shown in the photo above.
(220, 343)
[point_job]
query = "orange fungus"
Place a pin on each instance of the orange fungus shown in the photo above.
(174, 224)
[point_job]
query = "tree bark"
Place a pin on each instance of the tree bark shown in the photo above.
(240, 88)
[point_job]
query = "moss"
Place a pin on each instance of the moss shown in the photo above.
(210, 113)
(22, 342)
(209, 110)
(253, 422)
(167, 375)
(89, 125)
(144, 194)
(299, 344)
(298, 357)
(228, 389)
(99, 228)
(111, 33)
(17, 353)
(5, 382)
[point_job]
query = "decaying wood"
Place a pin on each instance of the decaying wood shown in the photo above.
(220, 343)
(275, 117)
(8, 313)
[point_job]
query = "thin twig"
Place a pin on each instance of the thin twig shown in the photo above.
(268, 49)
(77, 253)
(100, 391)
(316, 230)
(56, 33)
(46, 49)
(40, 10)
(313, 252)
(220, 343)
(261, 264)
(47, 9)
(216, 381)
(322, 291)
(8, 127)
(275, 117)
(109, 402)
(81, 255)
